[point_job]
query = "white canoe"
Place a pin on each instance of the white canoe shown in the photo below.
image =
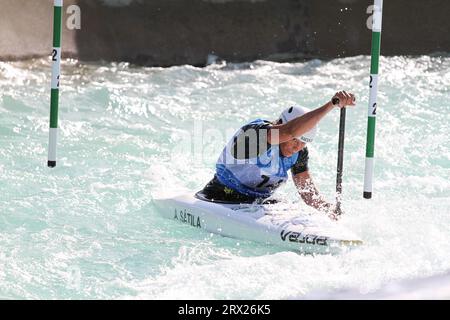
(275, 224)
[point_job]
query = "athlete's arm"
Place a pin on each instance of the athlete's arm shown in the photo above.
(303, 124)
(311, 196)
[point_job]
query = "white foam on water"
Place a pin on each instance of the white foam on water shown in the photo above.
(88, 228)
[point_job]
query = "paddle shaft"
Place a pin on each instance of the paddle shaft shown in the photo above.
(340, 160)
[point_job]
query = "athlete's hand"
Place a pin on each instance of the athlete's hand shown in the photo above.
(335, 212)
(344, 98)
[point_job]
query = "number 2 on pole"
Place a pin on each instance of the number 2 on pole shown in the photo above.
(54, 53)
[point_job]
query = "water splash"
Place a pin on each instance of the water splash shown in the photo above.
(88, 229)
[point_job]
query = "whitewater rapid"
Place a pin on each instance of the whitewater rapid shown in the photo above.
(89, 229)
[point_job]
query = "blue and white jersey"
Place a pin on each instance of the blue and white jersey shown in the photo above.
(252, 166)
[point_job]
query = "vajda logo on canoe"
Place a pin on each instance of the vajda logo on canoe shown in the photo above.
(298, 237)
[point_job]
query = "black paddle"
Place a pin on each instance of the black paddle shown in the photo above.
(340, 160)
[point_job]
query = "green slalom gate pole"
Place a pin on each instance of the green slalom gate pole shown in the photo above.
(56, 72)
(372, 112)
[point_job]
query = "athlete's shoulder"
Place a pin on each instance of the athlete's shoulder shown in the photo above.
(303, 156)
(304, 151)
(301, 165)
(257, 124)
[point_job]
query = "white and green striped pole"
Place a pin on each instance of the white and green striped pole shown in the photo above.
(372, 113)
(56, 72)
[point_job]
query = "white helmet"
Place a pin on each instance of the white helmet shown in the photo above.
(295, 112)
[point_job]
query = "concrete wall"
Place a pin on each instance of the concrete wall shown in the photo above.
(168, 32)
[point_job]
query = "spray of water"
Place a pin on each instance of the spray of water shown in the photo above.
(88, 228)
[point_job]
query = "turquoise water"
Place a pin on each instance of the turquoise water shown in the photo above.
(88, 228)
